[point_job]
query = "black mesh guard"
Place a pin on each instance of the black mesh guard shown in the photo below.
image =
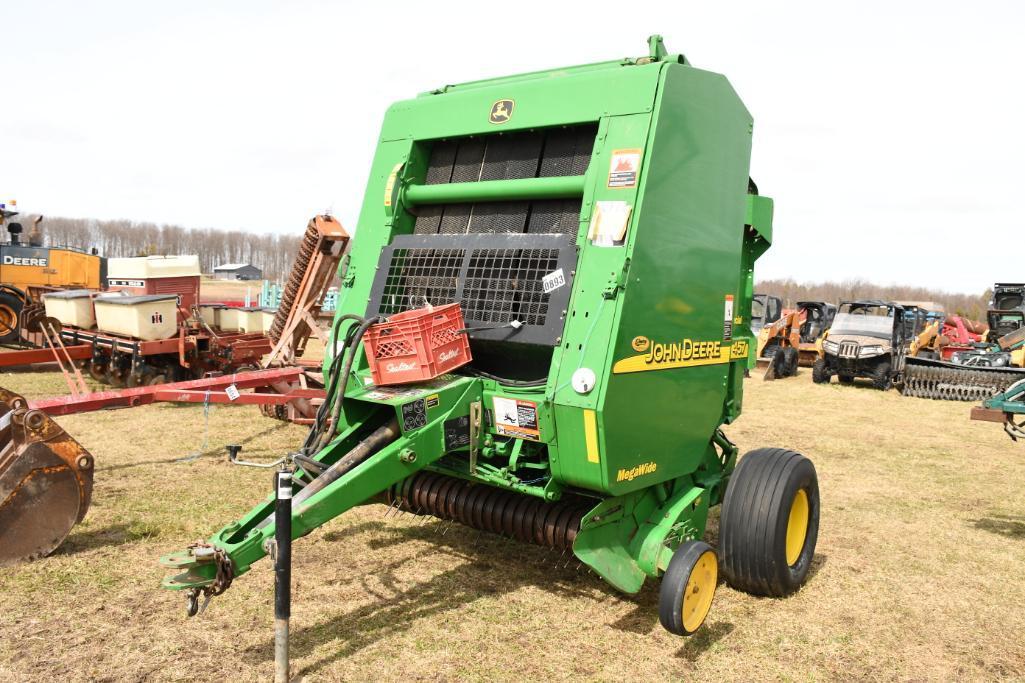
(496, 278)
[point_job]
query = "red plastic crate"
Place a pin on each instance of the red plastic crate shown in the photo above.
(415, 346)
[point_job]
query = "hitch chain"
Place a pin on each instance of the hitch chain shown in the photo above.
(222, 580)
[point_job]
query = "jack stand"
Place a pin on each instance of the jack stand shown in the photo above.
(282, 572)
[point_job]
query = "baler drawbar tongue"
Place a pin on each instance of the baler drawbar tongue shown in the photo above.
(46, 481)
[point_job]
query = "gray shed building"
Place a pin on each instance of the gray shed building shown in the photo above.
(238, 271)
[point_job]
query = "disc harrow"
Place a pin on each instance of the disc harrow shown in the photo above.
(951, 384)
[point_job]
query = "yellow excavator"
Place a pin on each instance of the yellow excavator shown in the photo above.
(28, 269)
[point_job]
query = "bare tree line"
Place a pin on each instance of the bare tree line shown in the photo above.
(968, 305)
(272, 253)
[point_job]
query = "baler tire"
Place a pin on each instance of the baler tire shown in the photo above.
(819, 373)
(772, 497)
(688, 587)
(881, 376)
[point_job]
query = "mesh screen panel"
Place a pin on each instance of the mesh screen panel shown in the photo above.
(555, 215)
(416, 276)
(496, 279)
(508, 157)
(455, 219)
(443, 157)
(428, 220)
(499, 217)
(468, 161)
(503, 285)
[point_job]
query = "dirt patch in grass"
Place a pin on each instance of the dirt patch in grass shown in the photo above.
(917, 574)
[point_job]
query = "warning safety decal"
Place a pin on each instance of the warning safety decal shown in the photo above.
(517, 418)
(727, 322)
(623, 169)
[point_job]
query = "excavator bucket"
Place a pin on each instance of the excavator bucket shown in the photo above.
(46, 481)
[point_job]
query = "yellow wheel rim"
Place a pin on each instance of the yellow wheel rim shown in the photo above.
(697, 599)
(797, 527)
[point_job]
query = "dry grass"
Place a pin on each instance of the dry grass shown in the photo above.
(917, 576)
(230, 290)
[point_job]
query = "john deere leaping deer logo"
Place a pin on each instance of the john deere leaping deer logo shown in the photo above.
(501, 111)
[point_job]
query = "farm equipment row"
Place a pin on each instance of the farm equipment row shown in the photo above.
(46, 476)
(908, 345)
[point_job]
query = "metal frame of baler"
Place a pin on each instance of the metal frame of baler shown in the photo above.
(630, 531)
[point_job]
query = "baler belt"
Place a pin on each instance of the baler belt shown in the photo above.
(556, 152)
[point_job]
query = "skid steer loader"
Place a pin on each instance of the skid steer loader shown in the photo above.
(793, 340)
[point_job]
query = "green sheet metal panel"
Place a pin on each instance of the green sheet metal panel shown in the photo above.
(539, 100)
(688, 232)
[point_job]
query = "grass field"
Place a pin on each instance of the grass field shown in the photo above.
(230, 290)
(918, 573)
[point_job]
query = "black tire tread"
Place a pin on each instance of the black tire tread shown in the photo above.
(674, 582)
(819, 374)
(749, 525)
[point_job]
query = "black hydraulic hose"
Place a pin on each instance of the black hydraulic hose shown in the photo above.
(339, 352)
(339, 396)
(540, 382)
(314, 436)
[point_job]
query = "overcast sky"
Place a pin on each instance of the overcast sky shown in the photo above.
(889, 133)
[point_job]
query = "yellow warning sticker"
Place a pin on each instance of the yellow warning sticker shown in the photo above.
(389, 187)
(624, 167)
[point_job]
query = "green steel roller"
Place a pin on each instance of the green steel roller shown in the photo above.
(598, 226)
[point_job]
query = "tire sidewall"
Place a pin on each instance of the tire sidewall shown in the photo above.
(674, 584)
(802, 476)
(754, 519)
